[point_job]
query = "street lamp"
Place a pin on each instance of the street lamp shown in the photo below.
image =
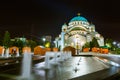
(114, 42)
(43, 39)
(118, 45)
(77, 44)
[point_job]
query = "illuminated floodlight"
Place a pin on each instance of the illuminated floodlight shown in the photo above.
(114, 42)
(118, 44)
(44, 39)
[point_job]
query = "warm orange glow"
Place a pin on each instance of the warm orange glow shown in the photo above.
(26, 49)
(1, 49)
(55, 49)
(86, 50)
(69, 48)
(104, 51)
(39, 51)
(48, 49)
(95, 49)
(101, 50)
(13, 50)
(105, 60)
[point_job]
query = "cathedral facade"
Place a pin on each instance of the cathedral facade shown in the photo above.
(76, 33)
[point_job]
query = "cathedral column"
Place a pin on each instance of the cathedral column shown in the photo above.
(62, 40)
(56, 42)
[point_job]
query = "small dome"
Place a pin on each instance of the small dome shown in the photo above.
(78, 18)
(64, 25)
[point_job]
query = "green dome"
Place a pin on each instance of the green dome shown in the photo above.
(78, 18)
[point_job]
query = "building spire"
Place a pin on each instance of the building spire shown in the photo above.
(78, 14)
(65, 23)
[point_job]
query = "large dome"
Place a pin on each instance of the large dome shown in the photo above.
(78, 18)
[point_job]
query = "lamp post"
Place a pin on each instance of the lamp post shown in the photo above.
(77, 45)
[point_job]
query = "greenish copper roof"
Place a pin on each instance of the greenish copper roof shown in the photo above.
(77, 28)
(104, 47)
(78, 18)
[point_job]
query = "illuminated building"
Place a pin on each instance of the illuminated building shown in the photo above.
(76, 33)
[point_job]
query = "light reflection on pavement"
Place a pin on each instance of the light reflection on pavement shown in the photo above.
(70, 69)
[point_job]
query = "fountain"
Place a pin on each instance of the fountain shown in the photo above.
(47, 58)
(47, 61)
(61, 57)
(3, 53)
(55, 58)
(17, 55)
(50, 65)
(7, 53)
(26, 66)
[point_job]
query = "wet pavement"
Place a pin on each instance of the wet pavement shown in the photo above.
(75, 68)
(70, 69)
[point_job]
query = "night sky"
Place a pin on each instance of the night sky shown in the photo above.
(35, 18)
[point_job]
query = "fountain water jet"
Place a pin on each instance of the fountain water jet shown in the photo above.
(26, 66)
(7, 53)
(17, 55)
(3, 55)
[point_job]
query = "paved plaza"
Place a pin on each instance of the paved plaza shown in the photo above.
(81, 67)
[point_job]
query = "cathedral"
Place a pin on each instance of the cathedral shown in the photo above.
(76, 33)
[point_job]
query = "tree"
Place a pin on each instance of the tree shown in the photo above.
(87, 45)
(94, 43)
(108, 40)
(19, 43)
(117, 51)
(6, 40)
(109, 44)
(32, 44)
